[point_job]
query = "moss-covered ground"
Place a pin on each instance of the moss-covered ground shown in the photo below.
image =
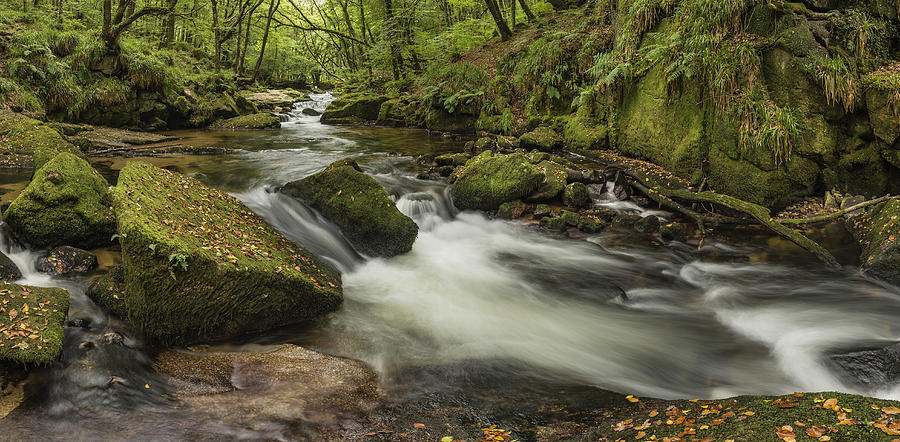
(261, 120)
(31, 323)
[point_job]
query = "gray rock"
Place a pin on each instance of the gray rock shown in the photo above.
(870, 368)
(8, 269)
(66, 260)
(647, 224)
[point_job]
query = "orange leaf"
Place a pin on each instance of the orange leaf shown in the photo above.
(419, 425)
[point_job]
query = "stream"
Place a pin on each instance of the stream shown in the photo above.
(480, 304)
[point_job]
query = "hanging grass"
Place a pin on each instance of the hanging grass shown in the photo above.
(110, 92)
(766, 126)
(146, 72)
(837, 79)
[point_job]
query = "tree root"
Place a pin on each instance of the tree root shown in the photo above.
(759, 213)
(835, 215)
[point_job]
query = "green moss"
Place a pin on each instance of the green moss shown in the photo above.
(359, 206)
(398, 112)
(553, 183)
(66, 203)
(261, 120)
(582, 135)
(353, 109)
(25, 141)
(488, 181)
(31, 323)
(754, 418)
(773, 190)
(108, 291)
(569, 217)
(576, 195)
(199, 265)
(878, 232)
(452, 159)
(555, 224)
(543, 139)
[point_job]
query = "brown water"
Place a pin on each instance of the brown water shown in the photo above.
(484, 321)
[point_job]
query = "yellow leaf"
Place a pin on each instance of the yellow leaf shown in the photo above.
(890, 410)
(631, 398)
(830, 403)
(447, 439)
(146, 385)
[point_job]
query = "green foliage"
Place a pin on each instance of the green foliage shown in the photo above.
(765, 125)
(451, 86)
(146, 72)
(834, 74)
(110, 91)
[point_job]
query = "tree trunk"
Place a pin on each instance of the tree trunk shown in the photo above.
(512, 15)
(216, 32)
(396, 61)
(170, 24)
(527, 11)
(494, 9)
(273, 5)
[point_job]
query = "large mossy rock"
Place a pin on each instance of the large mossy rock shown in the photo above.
(885, 120)
(553, 183)
(488, 181)
(31, 323)
(26, 142)
(543, 139)
(360, 207)
(108, 291)
(66, 203)
(200, 265)
(260, 120)
(878, 232)
(353, 109)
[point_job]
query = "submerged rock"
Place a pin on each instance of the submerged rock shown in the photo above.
(488, 181)
(67, 259)
(261, 120)
(673, 232)
(647, 224)
(878, 232)
(200, 265)
(317, 393)
(358, 205)
(872, 368)
(353, 109)
(67, 202)
(108, 291)
(31, 323)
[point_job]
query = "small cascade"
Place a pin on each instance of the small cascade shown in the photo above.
(608, 199)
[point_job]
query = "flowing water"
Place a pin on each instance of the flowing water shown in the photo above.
(496, 299)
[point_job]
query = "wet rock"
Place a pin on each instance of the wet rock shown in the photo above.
(553, 183)
(569, 217)
(104, 138)
(574, 175)
(871, 368)
(426, 159)
(488, 181)
(112, 338)
(555, 224)
(593, 177)
(877, 232)
(482, 144)
(673, 232)
(310, 112)
(625, 220)
(512, 210)
(353, 109)
(543, 139)
(272, 98)
(850, 201)
(8, 269)
(108, 291)
(446, 171)
(647, 224)
(67, 202)
(261, 120)
(360, 207)
(452, 159)
(316, 393)
(67, 260)
(79, 323)
(830, 201)
(38, 314)
(200, 265)
(590, 224)
(536, 156)
(576, 195)
(541, 210)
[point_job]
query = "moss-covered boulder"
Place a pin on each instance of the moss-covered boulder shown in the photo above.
(108, 291)
(31, 323)
(488, 181)
(66, 203)
(885, 119)
(580, 134)
(353, 109)
(878, 232)
(576, 195)
(452, 159)
(543, 139)
(200, 265)
(261, 120)
(553, 183)
(360, 207)
(26, 142)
